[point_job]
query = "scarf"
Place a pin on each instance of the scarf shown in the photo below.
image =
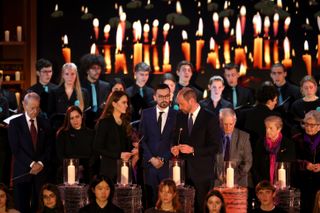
(313, 141)
(272, 148)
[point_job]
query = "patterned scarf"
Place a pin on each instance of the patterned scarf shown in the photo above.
(272, 148)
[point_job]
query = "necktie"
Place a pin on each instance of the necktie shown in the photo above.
(160, 121)
(94, 98)
(46, 88)
(280, 98)
(141, 91)
(33, 132)
(227, 150)
(234, 97)
(190, 124)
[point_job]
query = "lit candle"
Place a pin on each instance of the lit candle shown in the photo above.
(279, 3)
(137, 47)
(106, 31)
(166, 67)
(176, 173)
(7, 35)
(155, 25)
(226, 25)
(107, 58)
(243, 12)
(96, 28)
(17, 75)
(282, 177)
(120, 59)
(287, 24)
(226, 44)
(276, 51)
(178, 8)
(17, 94)
(213, 56)
(266, 42)
(266, 25)
(185, 46)
(240, 55)
(230, 177)
(242, 70)
(66, 51)
(124, 174)
(215, 18)
(7, 78)
(19, 33)
(71, 173)
(146, 29)
(287, 62)
(275, 24)
(257, 47)
(307, 58)
(94, 50)
(123, 17)
(199, 45)
(166, 28)
(155, 59)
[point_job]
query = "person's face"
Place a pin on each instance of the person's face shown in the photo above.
(165, 195)
(311, 126)
(69, 76)
(117, 87)
(265, 196)
(170, 84)
(216, 88)
(184, 105)
(309, 89)
(231, 75)
(75, 119)
(184, 73)
(272, 131)
(45, 75)
(162, 97)
(214, 204)
(122, 105)
(102, 191)
(228, 123)
(3, 199)
(94, 73)
(272, 103)
(141, 77)
(32, 108)
(278, 76)
(49, 199)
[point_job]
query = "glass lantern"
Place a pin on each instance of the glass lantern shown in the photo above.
(282, 175)
(71, 171)
(124, 173)
(176, 171)
(229, 178)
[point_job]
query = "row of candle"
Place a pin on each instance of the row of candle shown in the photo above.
(19, 34)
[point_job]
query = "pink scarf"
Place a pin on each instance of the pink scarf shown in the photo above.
(273, 147)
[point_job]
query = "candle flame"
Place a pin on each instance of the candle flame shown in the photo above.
(86, 10)
(166, 27)
(212, 44)
(146, 28)
(279, 3)
(215, 17)
(184, 35)
(226, 24)
(205, 94)
(56, 8)
(318, 22)
(242, 70)
(95, 22)
(65, 40)
(243, 10)
(225, 5)
(120, 10)
(106, 28)
(276, 17)
(266, 22)
(286, 47)
(93, 49)
(238, 32)
(166, 57)
(306, 45)
(200, 28)
(119, 39)
(257, 22)
(155, 23)
(178, 7)
(123, 16)
(137, 27)
(287, 21)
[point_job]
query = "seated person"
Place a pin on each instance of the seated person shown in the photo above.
(214, 202)
(50, 200)
(6, 204)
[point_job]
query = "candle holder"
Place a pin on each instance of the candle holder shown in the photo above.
(176, 171)
(71, 171)
(228, 174)
(124, 177)
(282, 175)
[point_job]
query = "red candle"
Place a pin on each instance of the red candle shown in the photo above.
(106, 31)
(215, 18)
(276, 51)
(120, 59)
(146, 29)
(287, 24)
(166, 28)
(275, 24)
(240, 55)
(155, 25)
(213, 56)
(199, 45)
(155, 59)
(166, 67)
(137, 47)
(307, 58)
(66, 51)
(257, 47)
(243, 12)
(107, 58)
(185, 46)
(96, 28)
(287, 62)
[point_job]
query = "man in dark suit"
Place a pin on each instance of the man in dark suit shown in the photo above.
(141, 96)
(157, 127)
(198, 139)
(98, 90)
(30, 142)
(239, 96)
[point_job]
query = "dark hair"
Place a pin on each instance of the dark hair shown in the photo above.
(173, 189)
(88, 60)
(66, 123)
(95, 182)
(142, 67)
(217, 194)
(230, 66)
(265, 185)
(278, 65)
(184, 62)
(187, 93)
(41, 63)
(267, 91)
(168, 76)
(161, 86)
(52, 188)
(115, 81)
(9, 202)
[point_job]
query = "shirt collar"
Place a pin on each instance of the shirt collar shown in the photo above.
(195, 113)
(166, 110)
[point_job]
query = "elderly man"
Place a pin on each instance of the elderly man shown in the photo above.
(236, 147)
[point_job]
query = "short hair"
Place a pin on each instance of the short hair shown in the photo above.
(265, 185)
(216, 78)
(275, 119)
(312, 114)
(41, 63)
(267, 91)
(308, 78)
(182, 63)
(143, 67)
(31, 95)
(231, 66)
(227, 112)
(278, 65)
(168, 76)
(161, 86)
(187, 93)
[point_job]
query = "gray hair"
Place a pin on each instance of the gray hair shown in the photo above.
(227, 112)
(312, 114)
(31, 95)
(276, 119)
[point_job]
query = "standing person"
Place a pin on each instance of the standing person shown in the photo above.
(199, 142)
(98, 90)
(170, 80)
(157, 127)
(6, 204)
(43, 87)
(50, 200)
(30, 142)
(113, 132)
(141, 96)
(214, 202)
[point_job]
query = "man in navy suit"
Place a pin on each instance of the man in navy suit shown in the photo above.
(157, 127)
(30, 142)
(198, 136)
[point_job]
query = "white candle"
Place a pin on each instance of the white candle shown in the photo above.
(282, 177)
(124, 174)
(19, 33)
(7, 35)
(71, 174)
(230, 177)
(7, 78)
(17, 75)
(176, 174)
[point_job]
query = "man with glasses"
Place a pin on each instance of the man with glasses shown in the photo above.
(157, 125)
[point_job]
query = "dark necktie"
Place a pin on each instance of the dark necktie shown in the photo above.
(227, 150)
(160, 120)
(190, 123)
(33, 132)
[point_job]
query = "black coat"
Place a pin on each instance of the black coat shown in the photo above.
(208, 104)
(245, 96)
(94, 208)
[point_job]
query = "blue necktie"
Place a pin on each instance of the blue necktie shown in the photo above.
(280, 98)
(190, 124)
(227, 150)
(234, 97)
(141, 91)
(94, 98)
(46, 88)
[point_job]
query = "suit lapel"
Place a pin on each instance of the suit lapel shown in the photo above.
(26, 132)
(234, 141)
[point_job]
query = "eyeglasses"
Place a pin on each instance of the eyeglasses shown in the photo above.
(46, 71)
(277, 73)
(50, 196)
(163, 96)
(304, 124)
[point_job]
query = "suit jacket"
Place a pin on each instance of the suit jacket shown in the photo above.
(155, 143)
(205, 138)
(102, 88)
(179, 87)
(22, 147)
(208, 104)
(244, 95)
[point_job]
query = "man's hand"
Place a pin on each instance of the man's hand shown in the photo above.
(36, 168)
(186, 149)
(156, 162)
(175, 150)
(125, 156)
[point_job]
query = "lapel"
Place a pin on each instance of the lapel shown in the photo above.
(154, 119)
(168, 121)
(26, 132)
(197, 122)
(233, 142)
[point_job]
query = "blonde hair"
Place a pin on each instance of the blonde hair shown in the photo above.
(76, 86)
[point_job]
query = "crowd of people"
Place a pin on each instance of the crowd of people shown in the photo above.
(100, 122)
